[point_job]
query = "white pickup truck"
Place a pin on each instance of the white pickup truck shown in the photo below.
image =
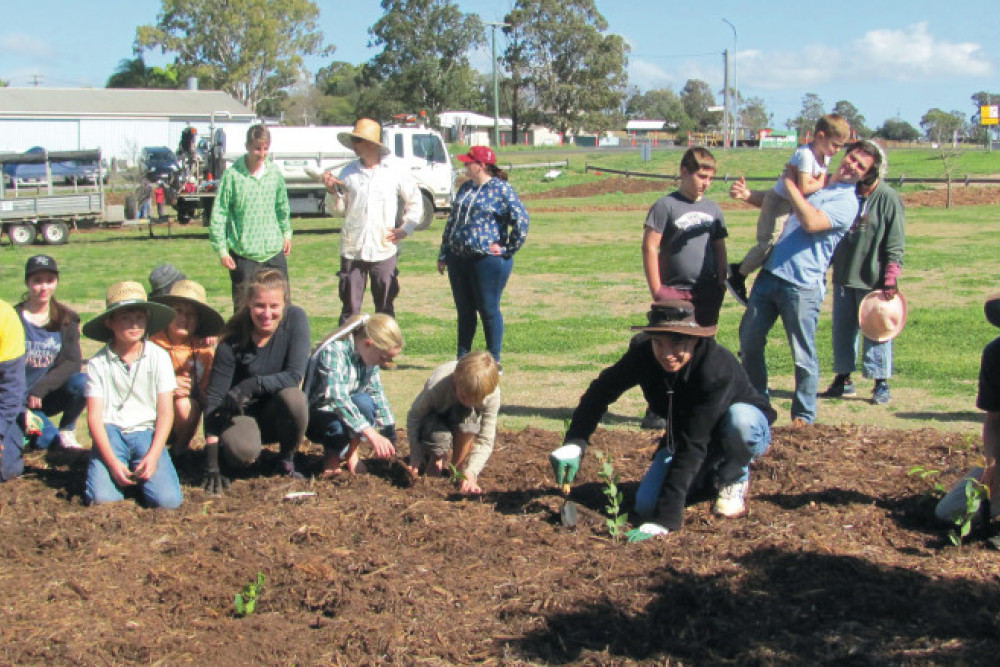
(297, 151)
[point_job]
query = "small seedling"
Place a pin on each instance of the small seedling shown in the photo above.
(975, 494)
(616, 520)
(455, 475)
(245, 601)
(927, 474)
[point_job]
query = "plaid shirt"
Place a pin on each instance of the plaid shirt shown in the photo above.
(251, 214)
(340, 373)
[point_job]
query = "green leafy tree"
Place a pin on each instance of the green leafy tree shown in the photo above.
(942, 127)
(134, 74)
(753, 114)
(659, 104)
(897, 129)
(424, 64)
(339, 82)
(697, 97)
(252, 49)
(853, 116)
(563, 64)
(812, 111)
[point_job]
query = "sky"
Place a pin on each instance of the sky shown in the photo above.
(890, 58)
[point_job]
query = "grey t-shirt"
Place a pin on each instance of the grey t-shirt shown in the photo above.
(688, 230)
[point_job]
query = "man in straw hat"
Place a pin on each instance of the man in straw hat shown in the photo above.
(717, 423)
(791, 284)
(130, 408)
(953, 506)
(251, 227)
(869, 257)
(371, 191)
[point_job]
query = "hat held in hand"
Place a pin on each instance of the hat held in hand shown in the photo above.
(882, 318)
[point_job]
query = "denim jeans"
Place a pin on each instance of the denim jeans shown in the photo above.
(327, 429)
(477, 283)
(741, 436)
(68, 399)
(163, 489)
(798, 308)
(876, 358)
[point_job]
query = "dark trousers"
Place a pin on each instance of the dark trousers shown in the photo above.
(280, 418)
(247, 268)
(353, 278)
(477, 283)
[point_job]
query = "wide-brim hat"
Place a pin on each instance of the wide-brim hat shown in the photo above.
(210, 322)
(882, 318)
(367, 130)
(124, 295)
(992, 309)
(675, 316)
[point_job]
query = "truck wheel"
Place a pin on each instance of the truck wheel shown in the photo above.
(55, 233)
(131, 208)
(428, 216)
(22, 234)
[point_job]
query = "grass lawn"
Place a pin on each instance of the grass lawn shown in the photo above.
(576, 288)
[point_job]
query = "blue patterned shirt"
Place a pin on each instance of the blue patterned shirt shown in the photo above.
(340, 373)
(482, 215)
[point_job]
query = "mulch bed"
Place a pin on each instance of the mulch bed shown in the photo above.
(838, 562)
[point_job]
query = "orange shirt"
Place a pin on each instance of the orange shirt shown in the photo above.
(193, 361)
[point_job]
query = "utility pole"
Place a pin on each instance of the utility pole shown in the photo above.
(736, 97)
(496, 91)
(727, 114)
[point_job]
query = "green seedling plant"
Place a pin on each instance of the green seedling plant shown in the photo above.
(975, 494)
(928, 474)
(616, 519)
(455, 475)
(245, 601)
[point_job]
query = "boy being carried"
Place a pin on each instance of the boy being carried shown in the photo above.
(831, 133)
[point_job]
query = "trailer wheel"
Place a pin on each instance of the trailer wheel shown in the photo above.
(55, 233)
(428, 216)
(22, 234)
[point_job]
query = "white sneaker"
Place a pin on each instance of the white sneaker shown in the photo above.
(68, 440)
(731, 502)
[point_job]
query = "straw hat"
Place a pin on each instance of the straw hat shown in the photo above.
(675, 316)
(123, 295)
(367, 130)
(210, 322)
(882, 319)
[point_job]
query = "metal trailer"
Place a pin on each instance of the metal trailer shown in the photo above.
(44, 211)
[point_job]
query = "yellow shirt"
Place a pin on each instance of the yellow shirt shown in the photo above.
(11, 333)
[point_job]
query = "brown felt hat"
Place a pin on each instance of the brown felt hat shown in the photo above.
(881, 318)
(210, 322)
(675, 316)
(124, 295)
(365, 129)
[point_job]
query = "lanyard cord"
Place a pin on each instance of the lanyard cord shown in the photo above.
(128, 372)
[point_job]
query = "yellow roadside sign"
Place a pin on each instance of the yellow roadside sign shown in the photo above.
(989, 114)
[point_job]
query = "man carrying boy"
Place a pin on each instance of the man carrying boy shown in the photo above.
(792, 282)
(251, 227)
(130, 404)
(684, 246)
(811, 160)
(716, 422)
(456, 411)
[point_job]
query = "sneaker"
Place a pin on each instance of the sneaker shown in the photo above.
(736, 282)
(731, 502)
(652, 421)
(840, 387)
(881, 394)
(68, 440)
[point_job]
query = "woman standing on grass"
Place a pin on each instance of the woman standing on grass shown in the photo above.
(253, 395)
(488, 224)
(53, 361)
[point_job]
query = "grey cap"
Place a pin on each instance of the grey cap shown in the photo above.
(162, 278)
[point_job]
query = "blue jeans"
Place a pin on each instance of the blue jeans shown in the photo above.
(163, 489)
(876, 358)
(327, 429)
(741, 436)
(477, 283)
(798, 308)
(68, 399)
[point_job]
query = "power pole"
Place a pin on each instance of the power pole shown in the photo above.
(727, 114)
(496, 90)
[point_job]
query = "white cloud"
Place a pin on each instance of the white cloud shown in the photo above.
(648, 76)
(26, 47)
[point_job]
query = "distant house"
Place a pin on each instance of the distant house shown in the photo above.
(118, 121)
(469, 128)
(642, 128)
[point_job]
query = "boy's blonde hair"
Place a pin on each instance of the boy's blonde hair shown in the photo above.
(697, 158)
(476, 376)
(834, 126)
(383, 331)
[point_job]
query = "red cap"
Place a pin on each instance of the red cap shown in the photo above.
(482, 154)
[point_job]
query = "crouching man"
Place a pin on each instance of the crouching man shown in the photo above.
(717, 423)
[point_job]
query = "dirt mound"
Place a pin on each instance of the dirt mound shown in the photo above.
(837, 562)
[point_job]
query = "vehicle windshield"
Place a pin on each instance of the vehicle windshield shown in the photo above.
(429, 147)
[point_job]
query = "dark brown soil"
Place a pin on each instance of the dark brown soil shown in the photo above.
(837, 563)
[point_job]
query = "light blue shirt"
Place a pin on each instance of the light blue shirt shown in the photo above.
(801, 257)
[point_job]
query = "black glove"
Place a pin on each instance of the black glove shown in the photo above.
(235, 401)
(215, 483)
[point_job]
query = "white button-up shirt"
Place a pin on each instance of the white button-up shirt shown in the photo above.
(371, 201)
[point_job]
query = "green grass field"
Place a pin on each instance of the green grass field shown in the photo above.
(576, 288)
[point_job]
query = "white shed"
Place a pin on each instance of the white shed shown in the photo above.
(118, 121)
